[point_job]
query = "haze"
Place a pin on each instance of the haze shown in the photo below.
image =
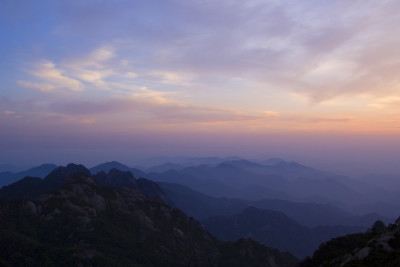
(311, 81)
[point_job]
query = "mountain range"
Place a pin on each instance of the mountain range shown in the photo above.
(272, 179)
(273, 228)
(273, 217)
(80, 222)
(202, 206)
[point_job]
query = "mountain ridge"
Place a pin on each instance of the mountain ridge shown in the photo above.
(84, 223)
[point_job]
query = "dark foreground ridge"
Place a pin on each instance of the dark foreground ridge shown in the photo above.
(87, 224)
(379, 246)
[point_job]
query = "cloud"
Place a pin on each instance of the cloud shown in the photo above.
(155, 110)
(47, 71)
(191, 61)
(43, 87)
(77, 74)
(322, 51)
(173, 78)
(392, 103)
(131, 75)
(8, 112)
(94, 68)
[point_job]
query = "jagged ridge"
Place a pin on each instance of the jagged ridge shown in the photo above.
(86, 223)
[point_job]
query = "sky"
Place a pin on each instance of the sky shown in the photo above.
(91, 81)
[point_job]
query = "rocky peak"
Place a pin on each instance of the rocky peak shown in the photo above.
(79, 178)
(377, 228)
(116, 178)
(70, 169)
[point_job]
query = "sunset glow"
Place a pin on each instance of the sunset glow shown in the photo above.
(257, 78)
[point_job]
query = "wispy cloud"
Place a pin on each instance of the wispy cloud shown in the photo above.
(189, 61)
(43, 87)
(153, 109)
(53, 77)
(8, 112)
(321, 51)
(173, 78)
(93, 68)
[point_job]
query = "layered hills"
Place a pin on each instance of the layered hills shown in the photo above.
(273, 228)
(79, 221)
(311, 222)
(8, 177)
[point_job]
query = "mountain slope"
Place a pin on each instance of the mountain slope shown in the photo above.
(202, 206)
(239, 178)
(275, 229)
(379, 246)
(86, 224)
(117, 178)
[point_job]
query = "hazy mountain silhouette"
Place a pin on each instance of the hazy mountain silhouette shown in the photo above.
(147, 163)
(272, 161)
(282, 180)
(30, 187)
(275, 229)
(228, 179)
(166, 167)
(202, 206)
(223, 180)
(39, 171)
(107, 166)
(278, 179)
(11, 168)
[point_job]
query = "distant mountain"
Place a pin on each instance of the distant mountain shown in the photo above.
(86, 224)
(290, 181)
(107, 166)
(272, 161)
(41, 171)
(289, 170)
(207, 178)
(182, 160)
(224, 180)
(119, 179)
(275, 229)
(166, 167)
(10, 168)
(379, 246)
(282, 180)
(31, 187)
(202, 206)
(209, 185)
(199, 205)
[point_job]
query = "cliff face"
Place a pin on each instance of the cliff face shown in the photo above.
(92, 225)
